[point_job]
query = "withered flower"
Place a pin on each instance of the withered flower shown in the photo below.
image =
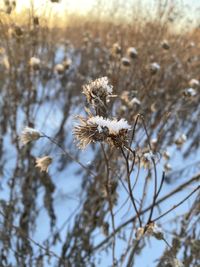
(132, 52)
(189, 92)
(153, 229)
(181, 140)
(116, 49)
(59, 68)
(18, 31)
(98, 91)
(125, 62)
(29, 134)
(34, 63)
(67, 63)
(43, 163)
(167, 167)
(165, 45)
(154, 68)
(166, 155)
(194, 83)
(99, 129)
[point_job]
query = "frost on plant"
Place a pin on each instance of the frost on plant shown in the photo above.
(97, 92)
(114, 132)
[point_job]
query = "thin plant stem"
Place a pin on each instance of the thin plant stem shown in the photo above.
(177, 205)
(129, 187)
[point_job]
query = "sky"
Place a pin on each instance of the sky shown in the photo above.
(82, 6)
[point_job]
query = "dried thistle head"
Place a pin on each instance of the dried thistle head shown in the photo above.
(99, 129)
(167, 167)
(154, 68)
(132, 52)
(125, 62)
(59, 68)
(98, 91)
(166, 155)
(194, 83)
(43, 163)
(189, 92)
(67, 63)
(29, 134)
(34, 63)
(146, 160)
(116, 49)
(150, 229)
(181, 140)
(153, 229)
(165, 45)
(18, 31)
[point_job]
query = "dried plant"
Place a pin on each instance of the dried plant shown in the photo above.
(134, 185)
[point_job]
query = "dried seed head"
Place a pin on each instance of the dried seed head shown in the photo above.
(189, 92)
(167, 167)
(67, 63)
(154, 68)
(43, 163)
(98, 129)
(181, 140)
(132, 52)
(146, 160)
(165, 45)
(98, 91)
(59, 68)
(116, 49)
(166, 155)
(153, 230)
(18, 31)
(147, 157)
(126, 62)
(29, 134)
(34, 63)
(194, 83)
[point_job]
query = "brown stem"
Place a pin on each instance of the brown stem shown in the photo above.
(177, 205)
(129, 187)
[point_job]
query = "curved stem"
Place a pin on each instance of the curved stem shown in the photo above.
(129, 187)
